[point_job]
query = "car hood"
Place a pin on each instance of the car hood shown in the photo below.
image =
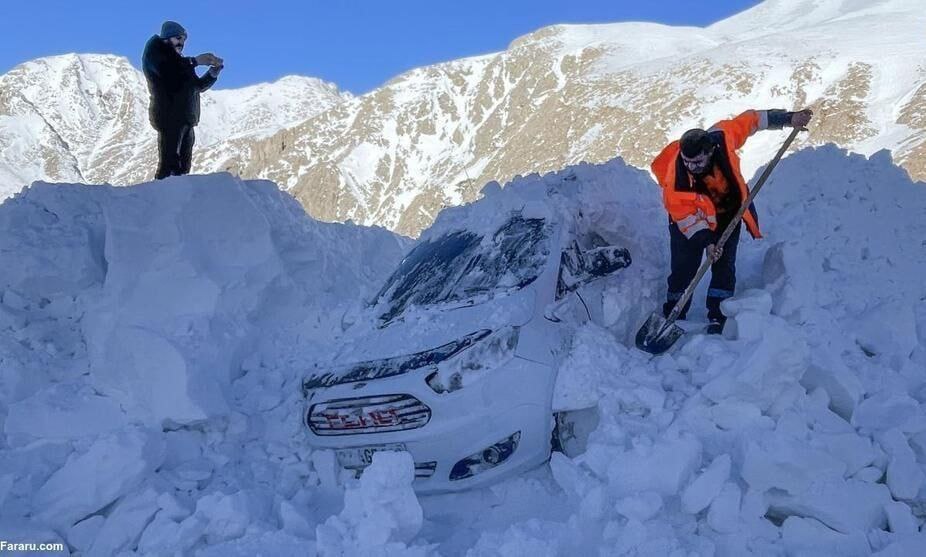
(421, 338)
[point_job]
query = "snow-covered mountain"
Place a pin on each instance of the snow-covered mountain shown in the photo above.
(85, 118)
(433, 136)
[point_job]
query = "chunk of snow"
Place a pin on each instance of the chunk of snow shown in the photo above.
(699, 493)
(381, 513)
(904, 474)
(662, 468)
(111, 467)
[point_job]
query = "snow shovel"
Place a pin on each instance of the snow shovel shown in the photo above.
(659, 333)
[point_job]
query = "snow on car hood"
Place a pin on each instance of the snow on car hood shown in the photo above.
(425, 336)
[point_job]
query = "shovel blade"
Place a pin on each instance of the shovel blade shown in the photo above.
(657, 335)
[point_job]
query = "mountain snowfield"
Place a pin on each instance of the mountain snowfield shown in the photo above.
(431, 137)
(154, 338)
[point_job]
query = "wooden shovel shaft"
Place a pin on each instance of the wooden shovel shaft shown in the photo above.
(705, 265)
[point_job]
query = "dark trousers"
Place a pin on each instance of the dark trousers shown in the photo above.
(175, 151)
(686, 258)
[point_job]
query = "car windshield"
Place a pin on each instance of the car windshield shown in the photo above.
(463, 265)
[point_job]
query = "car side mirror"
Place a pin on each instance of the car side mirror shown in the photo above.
(579, 267)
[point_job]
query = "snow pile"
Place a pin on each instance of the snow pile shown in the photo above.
(145, 326)
(154, 338)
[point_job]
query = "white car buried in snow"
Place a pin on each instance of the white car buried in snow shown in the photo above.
(459, 363)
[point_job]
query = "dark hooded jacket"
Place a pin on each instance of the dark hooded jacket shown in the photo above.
(173, 84)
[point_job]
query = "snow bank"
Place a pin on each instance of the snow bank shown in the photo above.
(161, 331)
(151, 333)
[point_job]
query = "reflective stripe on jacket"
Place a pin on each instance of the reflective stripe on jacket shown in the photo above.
(693, 211)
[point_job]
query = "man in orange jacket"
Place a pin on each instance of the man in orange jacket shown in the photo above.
(702, 189)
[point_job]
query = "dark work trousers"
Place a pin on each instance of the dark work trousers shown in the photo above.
(686, 258)
(175, 151)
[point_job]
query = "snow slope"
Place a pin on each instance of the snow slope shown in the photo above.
(153, 338)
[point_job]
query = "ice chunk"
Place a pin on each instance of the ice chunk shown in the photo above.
(82, 534)
(699, 494)
(381, 513)
(840, 383)
(888, 331)
(913, 545)
(806, 536)
(857, 452)
(264, 543)
(870, 474)
(885, 411)
(904, 475)
(724, 514)
(112, 466)
(294, 522)
(640, 506)
(63, 411)
(662, 468)
(900, 519)
(764, 372)
(733, 414)
(846, 506)
(788, 465)
(225, 516)
(125, 523)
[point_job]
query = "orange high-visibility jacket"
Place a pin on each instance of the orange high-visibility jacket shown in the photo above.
(693, 211)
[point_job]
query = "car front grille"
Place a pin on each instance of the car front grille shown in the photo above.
(374, 414)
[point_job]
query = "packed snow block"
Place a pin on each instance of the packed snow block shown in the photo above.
(826, 371)
(789, 465)
(904, 475)
(224, 516)
(110, 468)
(381, 513)
(846, 506)
(163, 535)
(857, 452)
(61, 412)
(884, 411)
(900, 518)
(906, 547)
(639, 506)
(264, 543)
(188, 261)
(125, 523)
(662, 467)
(763, 372)
(699, 493)
(82, 534)
(785, 278)
(807, 536)
(888, 331)
(748, 314)
(724, 513)
(52, 242)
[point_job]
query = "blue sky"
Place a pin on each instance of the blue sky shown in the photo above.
(356, 44)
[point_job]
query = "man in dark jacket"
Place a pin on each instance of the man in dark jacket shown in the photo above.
(175, 89)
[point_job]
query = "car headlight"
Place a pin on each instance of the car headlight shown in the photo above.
(486, 459)
(471, 364)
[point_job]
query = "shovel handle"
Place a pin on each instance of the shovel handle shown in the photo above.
(705, 265)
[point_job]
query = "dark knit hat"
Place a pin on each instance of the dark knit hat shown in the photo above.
(694, 142)
(172, 29)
